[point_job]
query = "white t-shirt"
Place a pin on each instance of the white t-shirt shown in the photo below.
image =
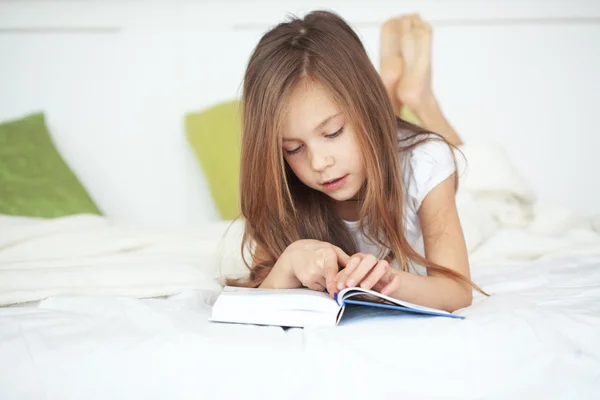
(424, 167)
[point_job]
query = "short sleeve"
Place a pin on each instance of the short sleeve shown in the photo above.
(427, 165)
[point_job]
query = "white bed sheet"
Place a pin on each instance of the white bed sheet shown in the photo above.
(537, 336)
(92, 335)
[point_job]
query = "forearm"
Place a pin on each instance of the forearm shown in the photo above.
(432, 118)
(433, 291)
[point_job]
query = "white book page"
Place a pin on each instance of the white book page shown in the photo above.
(277, 299)
(293, 318)
(356, 291)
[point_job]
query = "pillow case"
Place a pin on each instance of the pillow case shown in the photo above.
(215, 136)
(35, 181)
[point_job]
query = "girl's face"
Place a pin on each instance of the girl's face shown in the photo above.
(319, 144)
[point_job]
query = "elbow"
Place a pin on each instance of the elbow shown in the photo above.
(467, 299)
(463, 299)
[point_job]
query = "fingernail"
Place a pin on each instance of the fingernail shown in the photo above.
(340, 285)
(350, 282)
(364, 284)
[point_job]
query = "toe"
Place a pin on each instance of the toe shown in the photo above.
(415, 20)
(427, 26)
(389, 27)
(420, 23)
(406, 25)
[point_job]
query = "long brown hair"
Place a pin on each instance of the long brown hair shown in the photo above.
(277, 208)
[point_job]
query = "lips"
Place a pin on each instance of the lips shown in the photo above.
(334, 184)
(331, 181)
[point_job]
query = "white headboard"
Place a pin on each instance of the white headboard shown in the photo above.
(116, 78)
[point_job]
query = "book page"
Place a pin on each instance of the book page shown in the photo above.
(376, 297)
(280, 299)
(283, 307)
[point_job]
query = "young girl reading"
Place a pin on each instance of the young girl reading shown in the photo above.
(336, 190)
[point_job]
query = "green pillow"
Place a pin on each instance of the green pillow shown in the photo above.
(34, 179)
(215, 137)
(407, 115)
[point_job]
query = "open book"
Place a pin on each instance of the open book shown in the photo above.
(303, 307)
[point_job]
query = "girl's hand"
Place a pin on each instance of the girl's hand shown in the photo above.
(363, 270)
(389, 284)
(314, 263)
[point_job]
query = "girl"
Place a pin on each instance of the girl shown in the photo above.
(336, 190)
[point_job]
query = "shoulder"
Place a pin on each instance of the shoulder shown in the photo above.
(426, 164)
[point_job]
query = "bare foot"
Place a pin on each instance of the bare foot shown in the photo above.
(390, 60)
(405, 68)
(414, 87)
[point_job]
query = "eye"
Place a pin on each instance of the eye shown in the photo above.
(335, 134)
(294, 151)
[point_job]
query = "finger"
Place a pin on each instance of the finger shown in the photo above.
(375, 275)
(316, 286)
(310, 276)
(378, 286)
(331, 270)
(321, 281)
(367, 263)
(342, 257)
(350, 267)
(340, 276)
(384, 281)
(392, 286)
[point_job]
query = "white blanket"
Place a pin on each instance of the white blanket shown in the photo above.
(86, 254)
(502, 219)
(536, 337)
(91, 255)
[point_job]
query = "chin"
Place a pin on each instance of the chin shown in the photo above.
(343, 195)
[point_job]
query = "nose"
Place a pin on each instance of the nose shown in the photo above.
(320, 160)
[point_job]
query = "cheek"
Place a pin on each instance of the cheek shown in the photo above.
(297, 166)
(351, 153)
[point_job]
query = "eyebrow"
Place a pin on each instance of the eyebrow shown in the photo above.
(322, 124)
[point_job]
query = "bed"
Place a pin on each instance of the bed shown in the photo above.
(94, 308)
(117, 307)
(537, 336)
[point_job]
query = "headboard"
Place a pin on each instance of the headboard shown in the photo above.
(115, 80)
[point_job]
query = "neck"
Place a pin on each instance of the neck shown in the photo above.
(348, 210)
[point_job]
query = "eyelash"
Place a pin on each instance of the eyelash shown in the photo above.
(335, 134)
(330, 136)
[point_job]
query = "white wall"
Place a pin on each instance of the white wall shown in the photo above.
(116, 78)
